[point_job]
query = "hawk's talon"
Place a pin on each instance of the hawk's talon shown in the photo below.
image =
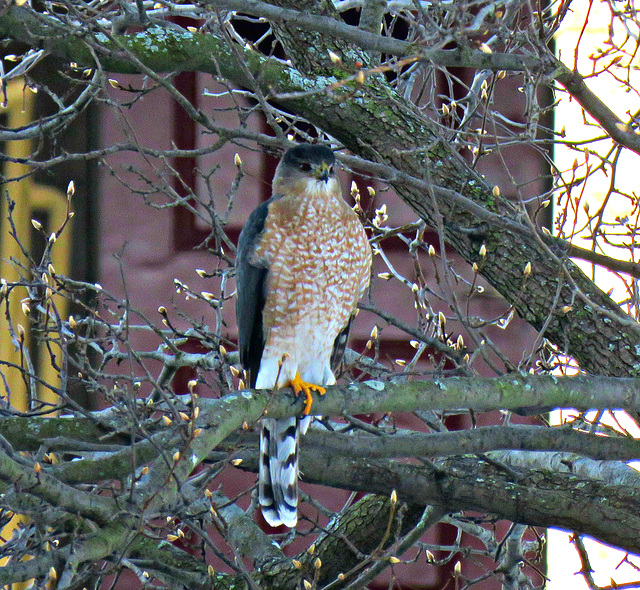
(299, 386)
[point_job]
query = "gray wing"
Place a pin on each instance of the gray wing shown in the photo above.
(251, 293)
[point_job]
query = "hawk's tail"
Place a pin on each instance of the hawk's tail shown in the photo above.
(278, 474)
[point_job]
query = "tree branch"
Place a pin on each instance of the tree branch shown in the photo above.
(478, 440)
(537, 498)
(625, 266)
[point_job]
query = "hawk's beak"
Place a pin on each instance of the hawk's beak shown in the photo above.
(322, 172)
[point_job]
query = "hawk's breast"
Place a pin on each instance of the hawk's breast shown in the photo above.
(319, 260)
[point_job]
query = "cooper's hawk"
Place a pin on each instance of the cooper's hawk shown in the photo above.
(303, 263)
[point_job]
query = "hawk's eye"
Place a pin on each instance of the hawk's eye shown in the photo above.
(305, 167)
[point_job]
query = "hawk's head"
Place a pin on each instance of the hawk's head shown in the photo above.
(306, 163)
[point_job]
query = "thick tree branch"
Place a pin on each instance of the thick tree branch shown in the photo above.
(220, 417)
(528, 496)
(610, 472)
(539, 498)
(510, 392)
(357, 542)
(100, 509)
(29, 433)
(478, 440)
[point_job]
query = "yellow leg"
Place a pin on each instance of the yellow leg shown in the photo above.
(300, 386)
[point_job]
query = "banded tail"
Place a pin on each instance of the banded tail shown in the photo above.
(278, 472)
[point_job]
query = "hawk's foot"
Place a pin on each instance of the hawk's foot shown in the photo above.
(299, 386)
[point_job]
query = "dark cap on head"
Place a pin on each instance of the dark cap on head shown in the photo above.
(307, 153)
